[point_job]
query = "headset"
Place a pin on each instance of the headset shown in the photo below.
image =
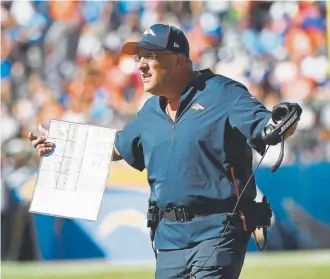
(289, 114)
(284, 115)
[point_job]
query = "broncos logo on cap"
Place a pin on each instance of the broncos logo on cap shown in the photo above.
(150, 32)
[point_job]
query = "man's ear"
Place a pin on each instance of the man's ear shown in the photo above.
(180, 60)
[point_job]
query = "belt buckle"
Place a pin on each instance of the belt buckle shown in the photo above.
(181, 214)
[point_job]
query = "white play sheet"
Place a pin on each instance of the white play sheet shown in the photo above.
(71, 181)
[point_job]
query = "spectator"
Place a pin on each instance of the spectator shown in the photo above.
(62, 60)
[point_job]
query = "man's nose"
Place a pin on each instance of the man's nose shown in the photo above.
(143, 63)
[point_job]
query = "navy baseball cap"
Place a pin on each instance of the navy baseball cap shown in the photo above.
(159, 37)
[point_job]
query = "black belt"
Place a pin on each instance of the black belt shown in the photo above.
(184, 214)
(258, 214)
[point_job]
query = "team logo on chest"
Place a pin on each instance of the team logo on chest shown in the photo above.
(197, 107)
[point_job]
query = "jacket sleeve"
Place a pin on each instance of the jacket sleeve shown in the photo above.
(248, 115)
(129, 145)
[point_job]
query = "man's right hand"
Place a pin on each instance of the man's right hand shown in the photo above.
(43, 147)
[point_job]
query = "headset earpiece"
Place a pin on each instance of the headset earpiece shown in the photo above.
(280, 112)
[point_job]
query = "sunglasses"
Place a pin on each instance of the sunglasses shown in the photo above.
(150, 56)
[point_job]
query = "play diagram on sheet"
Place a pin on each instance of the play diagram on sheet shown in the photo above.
(71, 180)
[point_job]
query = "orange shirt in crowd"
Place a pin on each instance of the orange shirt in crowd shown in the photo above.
(63, 10)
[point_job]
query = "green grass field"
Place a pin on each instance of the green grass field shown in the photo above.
(299, 265)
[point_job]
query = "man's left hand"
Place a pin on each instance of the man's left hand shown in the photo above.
(289, 132)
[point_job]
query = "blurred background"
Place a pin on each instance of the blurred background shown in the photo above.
(61, 60)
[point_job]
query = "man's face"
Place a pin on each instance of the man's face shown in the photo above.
(157, 69)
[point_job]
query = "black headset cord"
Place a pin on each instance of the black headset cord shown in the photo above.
(192, 275)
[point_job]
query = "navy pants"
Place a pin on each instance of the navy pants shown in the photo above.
(225, 263)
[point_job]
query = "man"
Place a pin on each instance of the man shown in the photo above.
(191, 136)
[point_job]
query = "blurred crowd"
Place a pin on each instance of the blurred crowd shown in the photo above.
(62, 60)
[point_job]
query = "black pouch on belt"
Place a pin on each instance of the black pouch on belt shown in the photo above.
(257, 215)
(153, 219)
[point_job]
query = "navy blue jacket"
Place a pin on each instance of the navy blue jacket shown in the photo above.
(189, 161)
